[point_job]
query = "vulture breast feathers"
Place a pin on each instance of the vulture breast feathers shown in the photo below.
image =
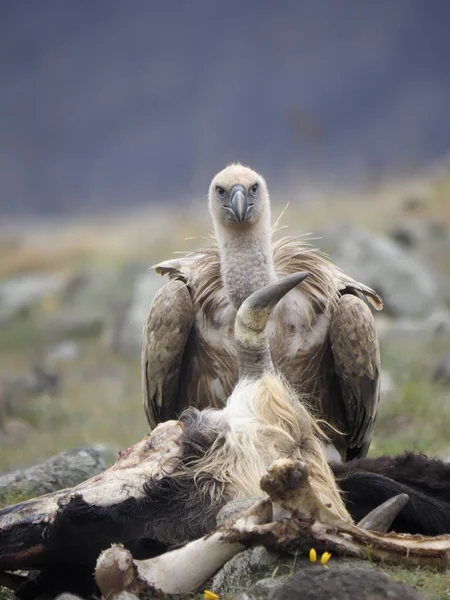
(189, 358)
(322, 335)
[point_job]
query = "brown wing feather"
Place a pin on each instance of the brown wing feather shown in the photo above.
(356, 353)
(166, 331)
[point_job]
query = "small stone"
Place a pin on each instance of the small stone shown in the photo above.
(261, 590)
(244, 569)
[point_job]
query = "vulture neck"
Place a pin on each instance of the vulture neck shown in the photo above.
(246, 261)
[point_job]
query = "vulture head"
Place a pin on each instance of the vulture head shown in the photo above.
(239, 205)
(238, 200)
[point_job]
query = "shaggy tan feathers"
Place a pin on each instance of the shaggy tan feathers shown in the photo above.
(200, 270)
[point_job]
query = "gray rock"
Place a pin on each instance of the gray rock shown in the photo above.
(13, 431)
(68, 596)
(90, 301)
(436, 324)
(96, 286)
(126, 596)
(445, 455)
(109, 453)
(128, 336)
(407, 286)
(15, 393)
(412, 232)
(442, 373)
(58, 472)
(233, 510)
(75, 323)
(19, 294)
(317, 583)
(246, 568)
(261, 590)
(65, 351)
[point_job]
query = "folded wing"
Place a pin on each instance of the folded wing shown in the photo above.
(356, 355)
(166, 332)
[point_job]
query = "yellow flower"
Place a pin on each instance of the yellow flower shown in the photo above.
(325, 558)
(312, 555)
(208, 595)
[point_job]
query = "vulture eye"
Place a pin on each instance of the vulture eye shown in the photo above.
(220, 192)
(254, 189)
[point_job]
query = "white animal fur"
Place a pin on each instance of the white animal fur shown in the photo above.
(264, 420)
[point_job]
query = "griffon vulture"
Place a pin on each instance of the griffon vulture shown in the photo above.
(322, 336)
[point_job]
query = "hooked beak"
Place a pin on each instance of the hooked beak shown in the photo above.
(239, 205)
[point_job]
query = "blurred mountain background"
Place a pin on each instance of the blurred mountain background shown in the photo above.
(111, 103)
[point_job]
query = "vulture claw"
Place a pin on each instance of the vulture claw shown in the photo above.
(381, 518)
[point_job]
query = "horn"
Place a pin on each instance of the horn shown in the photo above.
(251, 320)
(382, 517)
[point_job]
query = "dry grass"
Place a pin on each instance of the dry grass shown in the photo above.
(430, 584)
(153, 234)
(70, 245)
(377, 209)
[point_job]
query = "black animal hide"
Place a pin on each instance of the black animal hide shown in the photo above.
(367, 482)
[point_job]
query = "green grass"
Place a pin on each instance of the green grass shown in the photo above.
(6, 594)
(416, 414)
(100, 403)
(8, 498)
(429, 583)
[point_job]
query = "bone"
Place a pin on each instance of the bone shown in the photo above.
(287, 484)
(306, 522)
(381, 518)
(180, 571)
(116, 572)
